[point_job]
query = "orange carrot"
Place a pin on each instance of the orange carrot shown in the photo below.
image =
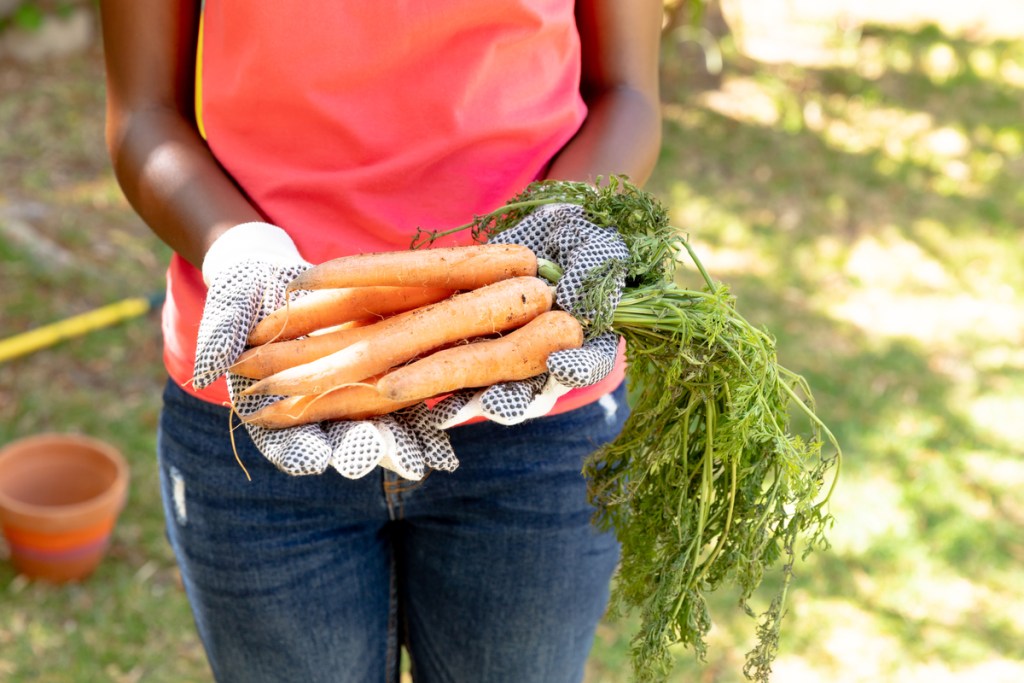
(518, 355)
(466, 267)
(329, 307)
(266, 359)
(494, 308)
(353, 402)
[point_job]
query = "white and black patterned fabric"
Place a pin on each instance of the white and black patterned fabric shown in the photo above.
(559, 233)
(405, 442)
(240, 297)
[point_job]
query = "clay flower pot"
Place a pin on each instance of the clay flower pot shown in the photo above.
(60, 497)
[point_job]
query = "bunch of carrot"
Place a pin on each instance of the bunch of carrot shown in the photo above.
(708, 484)
(375, 333)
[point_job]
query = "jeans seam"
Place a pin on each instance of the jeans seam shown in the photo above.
(393, 653)
(392, 489)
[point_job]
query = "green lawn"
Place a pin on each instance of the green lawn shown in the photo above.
(865, 209)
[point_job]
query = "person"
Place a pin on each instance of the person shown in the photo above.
(256, 139)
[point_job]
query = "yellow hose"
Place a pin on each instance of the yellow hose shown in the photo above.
(75, 326)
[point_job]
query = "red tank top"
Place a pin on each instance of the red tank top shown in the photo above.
(352, 124)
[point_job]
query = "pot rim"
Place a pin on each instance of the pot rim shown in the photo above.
(117, 489)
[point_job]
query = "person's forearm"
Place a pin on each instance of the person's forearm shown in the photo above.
(173, 182)
(162, 163)
(621, 136)
(619, 43)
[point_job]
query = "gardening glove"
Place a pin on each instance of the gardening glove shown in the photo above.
(247, 271)
(406, 442)
(559, 233)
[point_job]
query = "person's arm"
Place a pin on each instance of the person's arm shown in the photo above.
(162, 163)
(622, 132)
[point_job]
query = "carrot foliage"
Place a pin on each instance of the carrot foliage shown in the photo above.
(709, 485)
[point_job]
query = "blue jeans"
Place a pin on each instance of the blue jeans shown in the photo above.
(491, 574)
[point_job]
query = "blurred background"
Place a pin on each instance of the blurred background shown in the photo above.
(853, 170)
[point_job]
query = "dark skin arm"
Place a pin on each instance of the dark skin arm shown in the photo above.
(173, 182)
(162, 163)
(622, 133)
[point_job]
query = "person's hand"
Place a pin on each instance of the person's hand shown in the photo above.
(405, 442)
(247, 271)
(561, 234)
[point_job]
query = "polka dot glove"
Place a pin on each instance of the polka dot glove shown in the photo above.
(406, 442)
(247, 271)
(562, 234)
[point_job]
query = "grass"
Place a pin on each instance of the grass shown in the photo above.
(865, 209)
(129, 622)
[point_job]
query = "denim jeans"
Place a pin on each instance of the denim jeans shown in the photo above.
(491, 574)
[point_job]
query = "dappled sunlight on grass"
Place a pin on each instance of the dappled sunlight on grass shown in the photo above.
(1005, 473)
(998, 414)
(854, 646)
(744, 99)
(847, 641)
(866, 209)
(870, 506)
(896, 289)
(954, 161)
(940, 58)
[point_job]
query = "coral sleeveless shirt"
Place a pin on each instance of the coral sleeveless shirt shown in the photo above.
(352, 124)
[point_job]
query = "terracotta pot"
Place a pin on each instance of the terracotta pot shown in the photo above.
(60, 497)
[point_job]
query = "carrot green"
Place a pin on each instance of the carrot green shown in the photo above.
(709, 484)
